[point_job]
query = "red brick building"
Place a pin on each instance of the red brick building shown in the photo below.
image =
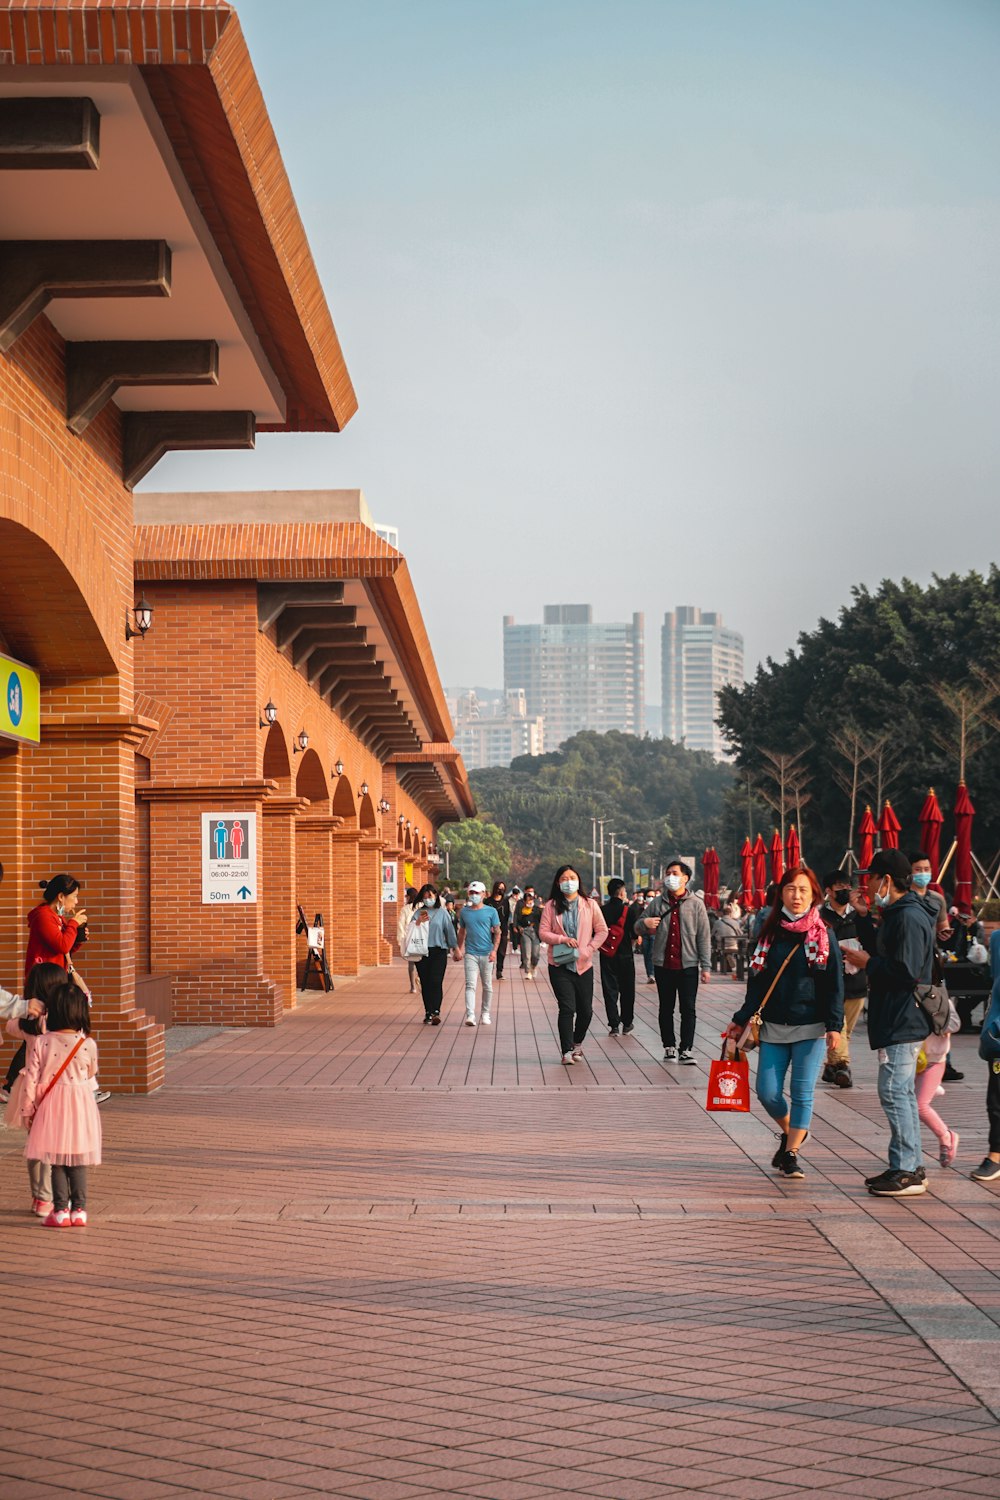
(157, 292)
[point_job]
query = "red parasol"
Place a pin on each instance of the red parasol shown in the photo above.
(964, 813)
(746, 875)
(889, 827)
(777, 856)
(866, 847)
(759, 871)
(710, 861)
(793, 849)
(931, 818)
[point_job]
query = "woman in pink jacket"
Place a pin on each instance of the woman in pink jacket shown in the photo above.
(574, 929)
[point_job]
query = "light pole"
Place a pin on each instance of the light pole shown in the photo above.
(593, 853)
(635, 867)
(600, 824)
(611, 853)
(446, 846)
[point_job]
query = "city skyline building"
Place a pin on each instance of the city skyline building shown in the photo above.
(577, 673)
(494, 733)
(699, 657)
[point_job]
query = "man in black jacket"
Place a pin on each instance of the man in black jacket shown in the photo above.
(899, 961)
(618, 968)
(842, 920)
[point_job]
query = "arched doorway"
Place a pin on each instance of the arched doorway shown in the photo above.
(277, 766)
(344, 802)
(310, 782)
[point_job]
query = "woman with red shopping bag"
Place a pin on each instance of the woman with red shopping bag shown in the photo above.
(795, 1002)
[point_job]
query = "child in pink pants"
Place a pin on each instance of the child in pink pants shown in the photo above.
(936, 1049)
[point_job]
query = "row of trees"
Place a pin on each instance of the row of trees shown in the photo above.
(900, 693)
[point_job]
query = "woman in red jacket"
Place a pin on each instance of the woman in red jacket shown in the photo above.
(55, 927)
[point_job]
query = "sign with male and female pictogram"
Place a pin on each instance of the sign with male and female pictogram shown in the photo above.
(229, 858)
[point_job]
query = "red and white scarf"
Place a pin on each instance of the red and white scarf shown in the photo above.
(816, 945)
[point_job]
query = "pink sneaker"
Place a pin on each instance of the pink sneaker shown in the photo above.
(949, 1149)
(41, 1208)
(78, 1218)
(57, 1219)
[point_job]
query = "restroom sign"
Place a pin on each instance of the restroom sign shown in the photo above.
(229, 859)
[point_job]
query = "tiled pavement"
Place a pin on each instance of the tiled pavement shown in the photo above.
(360, 1257)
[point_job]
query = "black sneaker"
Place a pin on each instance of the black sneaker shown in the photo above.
(687, 1057)
(612, 1031)
(627, 1030)
(882, 1176)
(427, 1020)
(778, 1156)
(842, 1076)
(788, 1166)
(828, 1073)
(899, 1185)
(950, 1074)
(987, 1171)
(436, 1018)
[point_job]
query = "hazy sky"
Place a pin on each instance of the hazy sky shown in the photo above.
(647, 302)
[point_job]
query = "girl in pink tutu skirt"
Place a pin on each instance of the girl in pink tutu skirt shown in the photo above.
(43, 981)
(59, 1107)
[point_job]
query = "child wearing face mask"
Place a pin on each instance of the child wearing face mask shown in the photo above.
(841, 918)
(527, 917)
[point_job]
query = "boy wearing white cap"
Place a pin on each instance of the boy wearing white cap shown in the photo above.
(478, 939)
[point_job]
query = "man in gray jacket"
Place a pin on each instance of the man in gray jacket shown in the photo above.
(682, 946)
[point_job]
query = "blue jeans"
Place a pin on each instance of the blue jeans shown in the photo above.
(647, 955)
(897, 1078)
(806, 1059)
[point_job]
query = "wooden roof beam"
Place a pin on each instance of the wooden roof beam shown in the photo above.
(32, 272)
(95, 371)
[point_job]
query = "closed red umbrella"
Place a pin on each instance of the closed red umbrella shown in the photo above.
(746, 875)
(710, 861)
(964, 814)
(777, 858)
(793, 849)
(889, 827)
(931, 818)
(866, 847)
(759, 870)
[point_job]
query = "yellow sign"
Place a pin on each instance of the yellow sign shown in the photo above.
(408, 872)
(20, 701)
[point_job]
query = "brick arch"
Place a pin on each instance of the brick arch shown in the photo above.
(66, 624)
(367, 817)
(311, 782)
(45, 616)
(344, 803)
(277, 766)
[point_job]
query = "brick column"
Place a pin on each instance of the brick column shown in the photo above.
(278, 867)
(345, 957)
(214, 954)
(314, 876)
(78, 814)
(370, 903)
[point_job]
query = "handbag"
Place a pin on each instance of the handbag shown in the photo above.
(563, 955)
(751, 1034)
(416, 940)
(728, 1084)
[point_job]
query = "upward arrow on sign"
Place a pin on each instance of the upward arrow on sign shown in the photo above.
(244, 892)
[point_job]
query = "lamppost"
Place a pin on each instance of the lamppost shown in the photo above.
(611, 853)
(600, 824)
(593, 853)
(446, 846)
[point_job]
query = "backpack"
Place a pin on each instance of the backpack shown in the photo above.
(936, 1006)
(613, 940)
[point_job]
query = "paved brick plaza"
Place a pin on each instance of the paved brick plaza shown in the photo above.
(360, 1257)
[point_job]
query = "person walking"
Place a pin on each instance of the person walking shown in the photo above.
(498, 900)
(644, 940)
(902, 961)
(728, 935)
(842, 919)
(58, 1104)
(524, 930)
(478, 938)
(406, 915)
(574, 928)
(441, 940)
(618, 960)
(682, 946)
(796, 985)
(989, 1050)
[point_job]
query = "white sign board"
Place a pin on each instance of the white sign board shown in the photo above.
(229, 859)
(316, 938)
(390, 880)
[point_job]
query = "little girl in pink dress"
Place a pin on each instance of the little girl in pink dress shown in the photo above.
(59, 1106)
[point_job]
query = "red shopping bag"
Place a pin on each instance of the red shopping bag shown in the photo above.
(728, 1084)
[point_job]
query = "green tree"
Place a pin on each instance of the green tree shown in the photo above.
(882, 701)
(478, 851)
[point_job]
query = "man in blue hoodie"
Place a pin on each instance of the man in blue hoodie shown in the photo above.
(989, 1050)
(900, 959)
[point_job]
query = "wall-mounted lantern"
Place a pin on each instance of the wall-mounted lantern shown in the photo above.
(270, 714)
(142, 615)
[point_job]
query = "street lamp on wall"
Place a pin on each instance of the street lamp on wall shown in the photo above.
(270, 714)
(301, 742)
(338, 769)
(364, 790)
(142, 614)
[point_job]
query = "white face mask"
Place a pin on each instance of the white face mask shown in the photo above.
(791, 916)
(569, 887)
(475, 898)
(883, 899)
(673, 882)
(430, 901)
